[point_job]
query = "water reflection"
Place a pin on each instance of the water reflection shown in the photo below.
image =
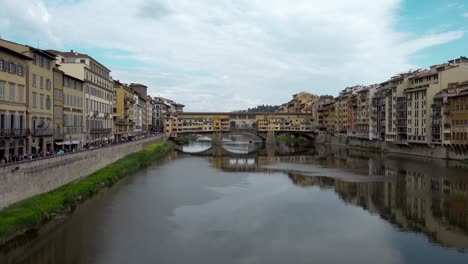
(196, 147)
(275, 205)
(415, 194)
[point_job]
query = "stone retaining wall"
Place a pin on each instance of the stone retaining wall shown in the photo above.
(23, 180)
(436, 151)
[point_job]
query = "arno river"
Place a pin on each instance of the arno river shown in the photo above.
(275, 205)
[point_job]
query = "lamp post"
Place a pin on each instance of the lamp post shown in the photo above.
(69, 141)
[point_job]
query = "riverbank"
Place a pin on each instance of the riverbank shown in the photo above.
(32, 213)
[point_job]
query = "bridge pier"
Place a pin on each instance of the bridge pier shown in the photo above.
(217, 139)
(270, 138)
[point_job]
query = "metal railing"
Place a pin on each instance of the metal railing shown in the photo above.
(14, 132)
(42, 132)
(100, 130)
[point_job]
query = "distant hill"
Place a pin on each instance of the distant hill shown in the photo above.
(262, 109)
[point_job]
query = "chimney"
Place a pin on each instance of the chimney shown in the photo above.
(71, 51)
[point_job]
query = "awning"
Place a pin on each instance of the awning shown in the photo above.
(105, 139)
(73, 142)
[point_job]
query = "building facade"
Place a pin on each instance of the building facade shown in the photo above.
(14, 132)
(39, 96)
(98, 94)
(74, 136)
(123, 112)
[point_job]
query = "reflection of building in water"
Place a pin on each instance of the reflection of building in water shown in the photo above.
(412, 200)
(254, 163)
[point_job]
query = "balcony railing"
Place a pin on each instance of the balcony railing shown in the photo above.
(14, 132)
(38, 132)
(100, 130)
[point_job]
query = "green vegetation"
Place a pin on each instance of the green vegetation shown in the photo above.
(263, 109)
(366, 148)
(32, 213)
(290, 140)
(185, 139)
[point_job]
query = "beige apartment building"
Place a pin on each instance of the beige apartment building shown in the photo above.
(98, 93)
(396, 110)
(39, 96)
(14, 134)
(421, 91)
(58, 108)
(365, 127)
(73, 109)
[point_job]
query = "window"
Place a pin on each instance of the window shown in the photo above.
(42, 82)
(48, 84)
(48, 102)
(34, 80)
(2, 65)
(34, 100)
(12, 92)
(20, 93)
(41, 101)
(12, 68)
(82, 61)
(34, 59)
(20, 71)
(2, 90)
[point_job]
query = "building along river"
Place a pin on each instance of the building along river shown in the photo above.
(268, 205)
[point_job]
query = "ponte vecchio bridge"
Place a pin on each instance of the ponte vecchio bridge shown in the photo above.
(216, 125)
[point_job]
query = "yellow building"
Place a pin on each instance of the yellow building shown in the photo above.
(123, 111)
(39, 95)
(420, 93)
(73, 109)
(341, 118)
(13, 125)
(179, 123)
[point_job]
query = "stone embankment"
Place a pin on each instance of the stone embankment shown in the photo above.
(19, 181)
(434, 151)
(105, 167)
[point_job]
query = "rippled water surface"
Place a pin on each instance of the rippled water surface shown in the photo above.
(317, 205)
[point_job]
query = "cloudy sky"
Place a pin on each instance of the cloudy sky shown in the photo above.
(222, 55)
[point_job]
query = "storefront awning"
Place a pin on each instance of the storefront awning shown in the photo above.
(73, 142)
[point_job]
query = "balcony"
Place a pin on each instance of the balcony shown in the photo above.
(14, 132)
(100, 130)
(42, 132)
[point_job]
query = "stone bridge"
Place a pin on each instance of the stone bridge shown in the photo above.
(266, 126)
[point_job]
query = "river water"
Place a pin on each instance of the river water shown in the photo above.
(268, 205)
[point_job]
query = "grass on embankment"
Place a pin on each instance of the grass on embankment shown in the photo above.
(185, 139)
(290, 140)
(366, 148)
(32, 213)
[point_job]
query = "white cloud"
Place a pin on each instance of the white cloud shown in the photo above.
(465, 15)
(267, 49)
